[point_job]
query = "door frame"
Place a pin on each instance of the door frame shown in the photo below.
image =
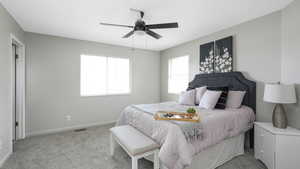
(22, 80)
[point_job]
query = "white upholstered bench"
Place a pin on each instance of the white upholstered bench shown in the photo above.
(135, 143)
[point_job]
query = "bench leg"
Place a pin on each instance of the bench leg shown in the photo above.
(156, 160)
(112, 145)
(134, 162)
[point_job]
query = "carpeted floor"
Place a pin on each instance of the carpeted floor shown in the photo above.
(87, 150)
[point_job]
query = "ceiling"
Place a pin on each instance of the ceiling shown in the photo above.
(79, 19)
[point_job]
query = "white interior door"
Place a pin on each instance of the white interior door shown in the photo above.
(14, 129)
(18, 93)
(18, 75)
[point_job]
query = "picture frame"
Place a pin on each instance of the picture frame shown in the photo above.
(217, 56)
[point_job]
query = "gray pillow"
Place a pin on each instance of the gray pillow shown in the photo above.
(210, 99)
(187, 98)
(199, 93)
(235, 99)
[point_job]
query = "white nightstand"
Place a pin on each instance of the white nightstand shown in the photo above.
(277, 148)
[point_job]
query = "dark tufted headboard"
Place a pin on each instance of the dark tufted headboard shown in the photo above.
(234, 81)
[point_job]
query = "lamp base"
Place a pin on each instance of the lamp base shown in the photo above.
(279, 118)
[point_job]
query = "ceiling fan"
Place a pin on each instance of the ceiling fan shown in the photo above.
(140, 26)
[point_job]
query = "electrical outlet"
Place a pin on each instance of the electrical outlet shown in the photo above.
(68, 118)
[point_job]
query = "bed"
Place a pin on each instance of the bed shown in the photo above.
(206, 145)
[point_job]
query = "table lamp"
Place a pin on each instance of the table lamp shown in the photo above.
(279, 94)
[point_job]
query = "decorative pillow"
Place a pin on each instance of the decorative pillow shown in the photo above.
(187, 98)
(221, 104)
(235, 99)
(199, 93)
(210, 99)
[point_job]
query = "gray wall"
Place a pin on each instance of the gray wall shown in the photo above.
(266, 50)
(257, 54)
(53, 80)
(7, 26)
(291, 55)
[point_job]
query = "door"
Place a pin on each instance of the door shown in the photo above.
(18, 97)
(16, 93)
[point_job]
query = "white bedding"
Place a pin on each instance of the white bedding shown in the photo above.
(176, 152)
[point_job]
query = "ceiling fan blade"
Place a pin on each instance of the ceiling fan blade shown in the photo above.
(163, 25)
(109, 24)
(153, 34)
(128, 34)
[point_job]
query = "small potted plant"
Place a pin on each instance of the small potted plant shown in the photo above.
(191, 111)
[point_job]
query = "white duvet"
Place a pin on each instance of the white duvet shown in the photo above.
(176, 152)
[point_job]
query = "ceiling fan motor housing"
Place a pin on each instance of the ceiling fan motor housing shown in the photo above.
(141, 28)
(140, 25)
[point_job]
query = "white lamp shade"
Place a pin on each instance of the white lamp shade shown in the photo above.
(279, 93)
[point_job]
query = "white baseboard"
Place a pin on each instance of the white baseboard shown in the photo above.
(58, 130)
(2, 161)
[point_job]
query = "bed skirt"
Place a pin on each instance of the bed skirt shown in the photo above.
(218, 154)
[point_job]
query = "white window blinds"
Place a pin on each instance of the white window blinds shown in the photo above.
(178, 74)
(101, 75)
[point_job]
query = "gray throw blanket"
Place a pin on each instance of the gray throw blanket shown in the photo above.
(191, 130)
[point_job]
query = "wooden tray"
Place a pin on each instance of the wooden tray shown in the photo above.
(178, 116)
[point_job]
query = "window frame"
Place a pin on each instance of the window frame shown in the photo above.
(112, 94)
(169, 72)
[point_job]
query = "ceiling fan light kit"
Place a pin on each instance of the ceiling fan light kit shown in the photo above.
(141, 28)
(140, 33)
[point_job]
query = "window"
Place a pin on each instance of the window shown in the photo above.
(178, 74)
(102, 75)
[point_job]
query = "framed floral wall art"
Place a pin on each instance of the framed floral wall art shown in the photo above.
(217, 56)
(207, 57)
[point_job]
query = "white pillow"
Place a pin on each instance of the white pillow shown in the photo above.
(210, 99)
(187, 98)
(235, 99)
(199, 93)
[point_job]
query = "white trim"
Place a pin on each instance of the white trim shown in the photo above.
(2, 161)
(21, 45)
(58, 130)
